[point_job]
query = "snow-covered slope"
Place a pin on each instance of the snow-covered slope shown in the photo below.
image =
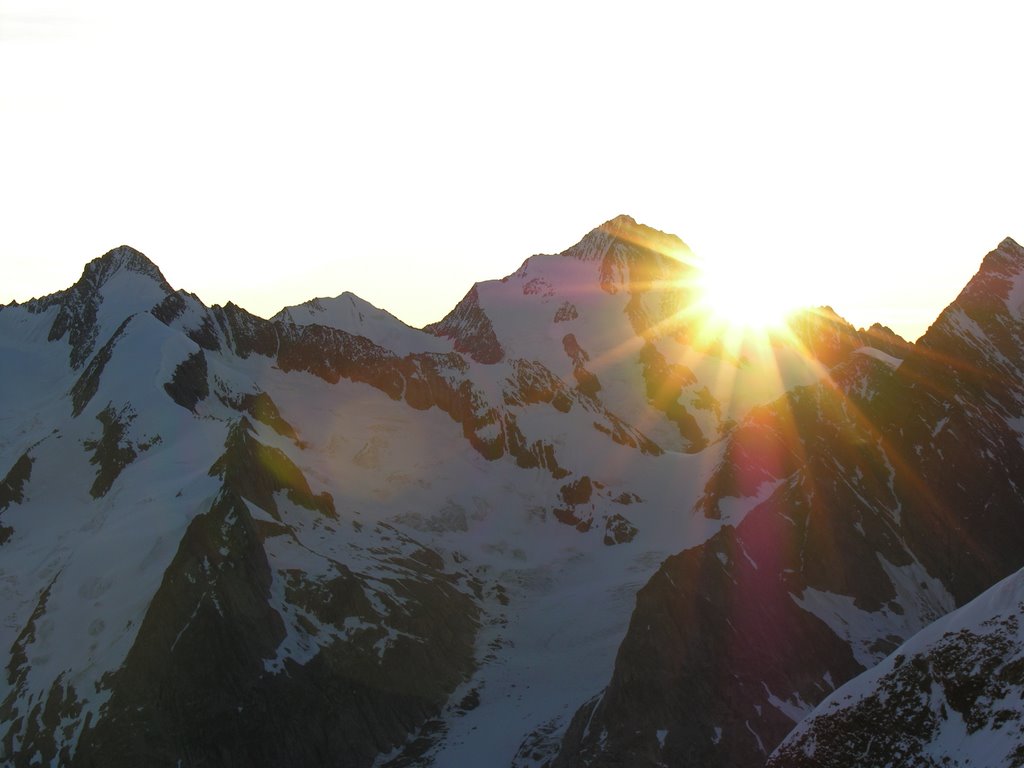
(330, 538)
(352, 314)
(202, 506)
(617, 313)
(870, 504)
(952, 695)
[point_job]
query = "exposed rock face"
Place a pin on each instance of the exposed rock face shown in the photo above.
(567, 311)
(80, 304)
(264, 410)
(586, 380)
(206, 683)
(332, 539)
(471, 329)
(257, 472)
(245, 334)
(430, 380)
(189, 383)
(665, 382)
(38, 728)
(825, 335)
(618, 530)
(191, 683)
(87, 384)
(884, 338)
(869, 506)
(352, 314)
(953, 685)
(112, 451)
(12, 489)
(967, 373)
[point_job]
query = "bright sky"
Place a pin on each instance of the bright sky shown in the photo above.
(870, 154)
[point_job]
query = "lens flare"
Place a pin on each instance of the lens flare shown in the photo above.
(747, 296)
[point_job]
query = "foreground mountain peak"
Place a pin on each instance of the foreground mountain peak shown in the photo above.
(951, 687)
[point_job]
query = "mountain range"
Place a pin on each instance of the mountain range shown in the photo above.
(566, 525)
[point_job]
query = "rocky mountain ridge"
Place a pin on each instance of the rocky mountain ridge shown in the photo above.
(329, 538)
(887, 495)
(950, 694)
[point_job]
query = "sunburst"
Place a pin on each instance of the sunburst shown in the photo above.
(746, 296)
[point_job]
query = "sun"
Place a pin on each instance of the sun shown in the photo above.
(746, 296)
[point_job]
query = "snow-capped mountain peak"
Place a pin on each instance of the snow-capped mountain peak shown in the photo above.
(123, 258)
(624, 229)
(352, 314)
(332, 538)
(112, 287)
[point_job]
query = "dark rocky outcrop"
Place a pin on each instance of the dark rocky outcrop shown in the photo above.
(574, 495)
(79, 305)
(586, 381)
(170, 309)
(959, 680)
(532, 383)
(12, 487)
(291, 630)
(43, 729)
(623, 434)
(205, 683)
(883, 338)
(618, 530)
(89, 382)
(188, 384)
(665, 382)
(113, 451)
(824, 336)
(705, 642)
(431, 380)
(190, 689)
(566, 311)
(256, 472)
(245, 333)
(265, 411)
(205, 334)
(846, 482)
(471, 330)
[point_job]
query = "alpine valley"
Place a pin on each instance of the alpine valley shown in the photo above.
(567, 525)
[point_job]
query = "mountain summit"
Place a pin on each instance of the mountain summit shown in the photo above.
(877, 500)
(347, 312)
(540, 532)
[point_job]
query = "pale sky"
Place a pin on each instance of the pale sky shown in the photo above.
(870, 154)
